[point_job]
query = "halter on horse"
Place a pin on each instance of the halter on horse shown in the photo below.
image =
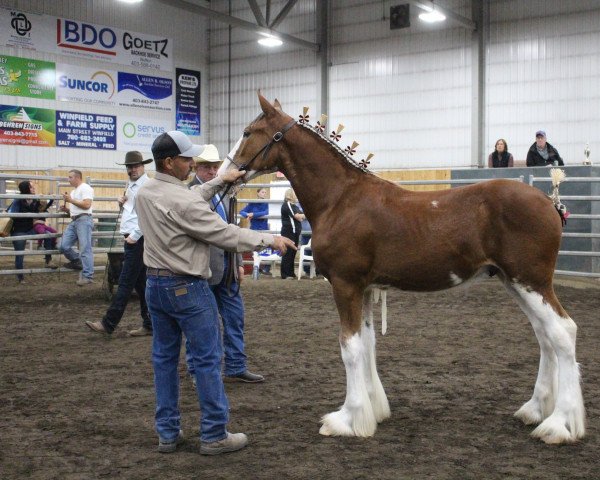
(368, 232)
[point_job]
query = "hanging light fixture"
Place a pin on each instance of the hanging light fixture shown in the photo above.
(432, 15)
(131, 1)
(270, 41)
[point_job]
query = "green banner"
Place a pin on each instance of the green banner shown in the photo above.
(24, 77)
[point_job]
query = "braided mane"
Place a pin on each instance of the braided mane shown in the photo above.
(337, 148)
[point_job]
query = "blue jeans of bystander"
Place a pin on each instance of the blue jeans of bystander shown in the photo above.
(80, 230)
(19, 245)
(186, 304)
(231, 309)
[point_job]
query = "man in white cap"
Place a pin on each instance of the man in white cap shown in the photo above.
(226, 291)
(179, 226)
(541, 153)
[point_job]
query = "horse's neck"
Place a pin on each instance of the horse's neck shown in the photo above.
(318, 175)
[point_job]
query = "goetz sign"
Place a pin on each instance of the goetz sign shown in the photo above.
(87, 85)
(109, 44)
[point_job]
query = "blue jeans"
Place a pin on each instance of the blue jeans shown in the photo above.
(185, 304)
(19, 245)
(231, 309)
(80, 230)
(133, 276)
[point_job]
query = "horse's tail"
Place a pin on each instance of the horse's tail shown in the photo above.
(558, 176)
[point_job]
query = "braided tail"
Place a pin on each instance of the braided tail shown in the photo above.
(558, 176)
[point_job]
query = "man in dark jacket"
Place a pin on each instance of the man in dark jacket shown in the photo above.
(541, 153)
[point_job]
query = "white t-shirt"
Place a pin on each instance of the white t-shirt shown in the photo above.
(82, 192)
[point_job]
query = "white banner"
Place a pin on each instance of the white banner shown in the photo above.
(86, 85)
(26, 30)
(139, 133)
(85, 40)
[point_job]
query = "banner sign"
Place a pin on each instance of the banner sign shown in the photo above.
(85, 40)
(26, 30)
(139, 133)
(27, 126)
(86, 130)
(144, 91)
(87, 85)
(24, 77)
(187, 101)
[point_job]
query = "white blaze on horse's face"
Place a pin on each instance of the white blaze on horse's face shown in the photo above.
(228, 163)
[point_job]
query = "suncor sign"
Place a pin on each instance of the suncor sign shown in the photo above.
(87, 85)
(113, 45)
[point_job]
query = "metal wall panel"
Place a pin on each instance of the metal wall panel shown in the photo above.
(190, 42)
(288, 72)
(543, 72)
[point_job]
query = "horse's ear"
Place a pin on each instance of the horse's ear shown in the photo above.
(267, 108)
(277, 105)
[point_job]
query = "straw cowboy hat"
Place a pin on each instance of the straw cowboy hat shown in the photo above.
(133, 158)
(210, 154)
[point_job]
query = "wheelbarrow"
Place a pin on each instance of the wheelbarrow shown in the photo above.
(114, 265)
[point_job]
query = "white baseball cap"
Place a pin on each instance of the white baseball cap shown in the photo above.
(174, 144)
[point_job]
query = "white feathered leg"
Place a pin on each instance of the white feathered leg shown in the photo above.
(542, 402)
(356, 417)
(379, 401)
(566, 422)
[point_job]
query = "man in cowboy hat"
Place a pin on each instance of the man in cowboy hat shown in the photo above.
(133, 273)
(227, 294)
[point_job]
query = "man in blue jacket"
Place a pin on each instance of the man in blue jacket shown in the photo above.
(258, 214)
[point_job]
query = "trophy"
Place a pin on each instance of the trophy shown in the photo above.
(586, 152)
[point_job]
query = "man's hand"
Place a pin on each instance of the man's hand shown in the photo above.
(121, 200)
(130, 240)
(250, 215)
(282, 244)
(240, 274)
(232, 175)
(67, 197)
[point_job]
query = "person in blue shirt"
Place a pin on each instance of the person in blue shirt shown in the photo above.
(258, 213)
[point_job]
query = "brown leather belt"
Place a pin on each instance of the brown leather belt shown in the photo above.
(75, 217)
(163, 272)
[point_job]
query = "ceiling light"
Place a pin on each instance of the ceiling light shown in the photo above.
(432, 16)
(131, 1)
(270, 41)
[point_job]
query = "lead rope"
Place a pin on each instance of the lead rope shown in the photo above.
(231, 275)
(112, 241)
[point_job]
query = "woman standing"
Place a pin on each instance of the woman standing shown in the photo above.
(500, 158)
(291, 225)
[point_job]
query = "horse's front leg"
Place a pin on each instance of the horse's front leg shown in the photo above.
(379, 401)
(355, 417)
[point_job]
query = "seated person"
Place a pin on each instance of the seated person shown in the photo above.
(24, 226)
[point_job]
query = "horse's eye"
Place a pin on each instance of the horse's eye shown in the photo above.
(246, 133)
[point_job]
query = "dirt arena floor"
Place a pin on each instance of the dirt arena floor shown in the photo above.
(455, 365)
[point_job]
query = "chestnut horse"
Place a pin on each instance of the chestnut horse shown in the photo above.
(368, 232)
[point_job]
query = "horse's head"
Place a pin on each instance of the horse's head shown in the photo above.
(257, 150)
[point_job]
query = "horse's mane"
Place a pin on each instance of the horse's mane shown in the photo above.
(336, 149)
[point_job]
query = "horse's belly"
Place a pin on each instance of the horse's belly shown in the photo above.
(429, 279)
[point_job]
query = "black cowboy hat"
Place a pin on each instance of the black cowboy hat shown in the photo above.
(133, 158)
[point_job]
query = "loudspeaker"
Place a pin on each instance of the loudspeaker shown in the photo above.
(400, 16)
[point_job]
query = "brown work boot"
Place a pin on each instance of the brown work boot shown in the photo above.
(97, 327)
(140, 332)
(231, 443)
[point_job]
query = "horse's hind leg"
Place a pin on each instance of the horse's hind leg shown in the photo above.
(566, 422)
(379, 401)
(542, 402)
(355, 417)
